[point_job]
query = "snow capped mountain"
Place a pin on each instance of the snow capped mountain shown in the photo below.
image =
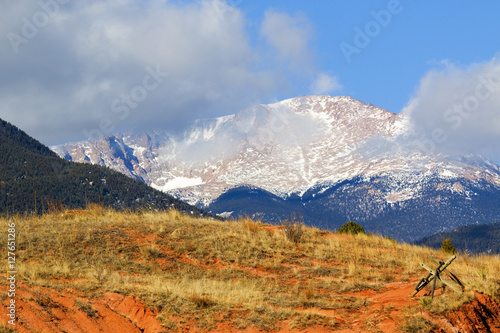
(288, 150)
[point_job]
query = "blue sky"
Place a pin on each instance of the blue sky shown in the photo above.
(388, 70)
(74, 70)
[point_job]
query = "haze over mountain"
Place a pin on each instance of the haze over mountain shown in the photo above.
(330, 159)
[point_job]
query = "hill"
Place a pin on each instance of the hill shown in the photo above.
(473, 238)
(34, 179)
(168, 272)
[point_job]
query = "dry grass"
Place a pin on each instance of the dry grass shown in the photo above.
(417, 324)
(207, 271)
(87, 308)
(6, 328)
(293, 228)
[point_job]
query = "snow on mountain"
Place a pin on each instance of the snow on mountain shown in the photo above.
(292, 148)
(286, 147)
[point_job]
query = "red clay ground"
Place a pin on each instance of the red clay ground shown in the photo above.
(43, 309)
(49, 310)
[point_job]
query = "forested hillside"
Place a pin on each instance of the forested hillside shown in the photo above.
(34, 179)
(473, 238)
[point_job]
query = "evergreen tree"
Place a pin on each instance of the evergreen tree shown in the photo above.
(448, 247)
(351, 228)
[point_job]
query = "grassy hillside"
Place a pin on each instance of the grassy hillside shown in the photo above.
(35, 179)
(184, 273)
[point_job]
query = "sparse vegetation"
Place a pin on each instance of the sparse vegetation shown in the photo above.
(449, 302)
(4, 328)
(417, 324)
(87, 308)
(203, 272)
(293, 228)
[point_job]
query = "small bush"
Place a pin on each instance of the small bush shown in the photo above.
(351, 228)
(87, 308)
(293, 228)
(250, 225)
(482, 273)
(201, 301)
(426, 302)
(448, 247)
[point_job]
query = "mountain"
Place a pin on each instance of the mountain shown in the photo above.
(472, 238)
(330, 159)
(34, 179)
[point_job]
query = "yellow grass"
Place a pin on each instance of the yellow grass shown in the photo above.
(182, 266)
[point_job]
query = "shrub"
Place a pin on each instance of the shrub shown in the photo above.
(201, 301)
(448, 247)
(351, 228)
(293, 228)
(87, 308)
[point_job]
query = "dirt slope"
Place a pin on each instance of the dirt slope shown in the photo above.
(49, 310)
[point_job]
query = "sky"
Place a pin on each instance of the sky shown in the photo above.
(71, 70)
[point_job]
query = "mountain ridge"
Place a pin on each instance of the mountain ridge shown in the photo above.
(471, 239)
(253, 129)
(292, 147)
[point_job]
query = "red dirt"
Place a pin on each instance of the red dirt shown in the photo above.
(480, 315)
(383, 310)
(49, 310)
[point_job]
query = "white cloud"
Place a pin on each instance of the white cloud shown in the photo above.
(325, 84)
(290, 36)
(85, 70)
(456, 110)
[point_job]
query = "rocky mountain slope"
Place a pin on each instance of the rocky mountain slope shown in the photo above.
(330, 159)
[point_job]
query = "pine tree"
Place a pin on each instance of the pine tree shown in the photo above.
(448, 247)
(351, 228)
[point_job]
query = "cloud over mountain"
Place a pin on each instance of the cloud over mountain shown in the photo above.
(456, 110)
(73, 70)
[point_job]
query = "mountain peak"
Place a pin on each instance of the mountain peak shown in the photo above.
(309, 149)
(338, 107)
